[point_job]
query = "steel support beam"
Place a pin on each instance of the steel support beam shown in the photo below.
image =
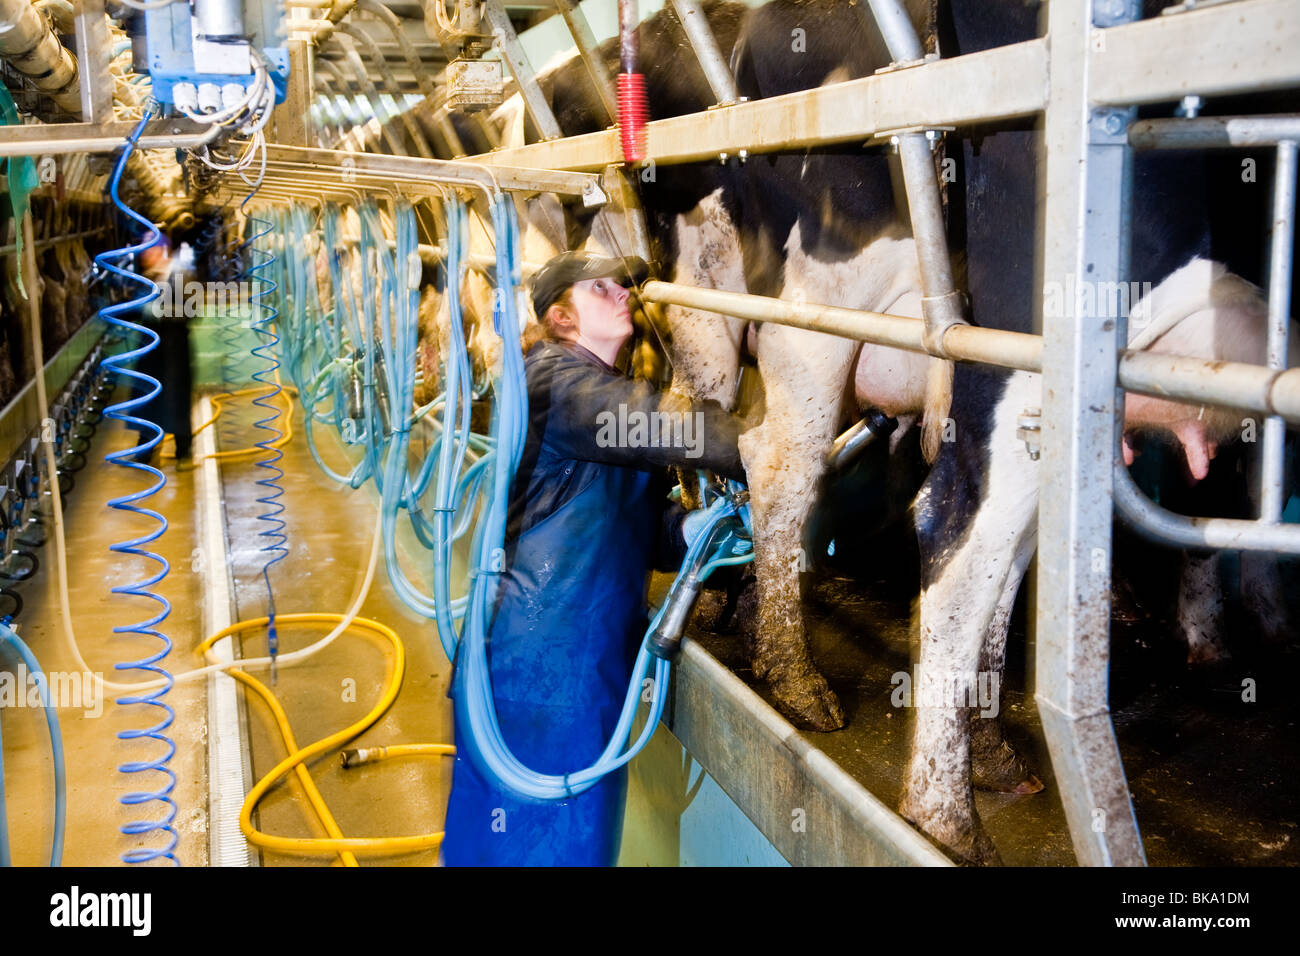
(993, 85)
(96, 86)
(1239, 47)
(39, 138)
(1085, 234)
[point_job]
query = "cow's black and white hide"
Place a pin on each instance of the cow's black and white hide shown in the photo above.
(977, 513)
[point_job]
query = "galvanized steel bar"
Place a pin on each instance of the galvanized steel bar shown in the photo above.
(1239, 47)
(992, 85)
(1087, 167)
(36, 139)
(897, 30)
(965, 343)
(705, 45)
(1214, 132)
(512, 51)
(1272, 464)
(589, 50)
(1165, 527)
(1180, 378)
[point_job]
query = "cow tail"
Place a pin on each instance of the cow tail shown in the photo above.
(938, 402)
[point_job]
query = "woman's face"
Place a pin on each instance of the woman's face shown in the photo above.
(604, 316)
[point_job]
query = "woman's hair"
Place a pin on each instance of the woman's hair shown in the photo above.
(565, 302)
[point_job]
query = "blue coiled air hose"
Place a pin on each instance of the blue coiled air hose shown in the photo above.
(264, 315)
(127, 459)
(7, 636)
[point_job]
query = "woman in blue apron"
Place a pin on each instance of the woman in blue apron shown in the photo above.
(586, 514)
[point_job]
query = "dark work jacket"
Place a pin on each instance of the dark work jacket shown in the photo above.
(585, 514)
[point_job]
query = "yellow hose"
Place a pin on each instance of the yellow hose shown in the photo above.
(297, 757)
(217, 401)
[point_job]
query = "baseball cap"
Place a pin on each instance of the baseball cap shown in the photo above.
(550, 281)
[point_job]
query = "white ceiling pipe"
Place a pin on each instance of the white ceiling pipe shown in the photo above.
(29, 45)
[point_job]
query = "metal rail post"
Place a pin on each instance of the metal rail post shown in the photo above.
(1085, 234)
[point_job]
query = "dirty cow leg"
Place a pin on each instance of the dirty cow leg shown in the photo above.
(1200, 608)
(804, 375)
(973, 559)
(706, 345)
(995, 765)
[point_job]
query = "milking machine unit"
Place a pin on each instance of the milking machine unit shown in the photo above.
(207, 58)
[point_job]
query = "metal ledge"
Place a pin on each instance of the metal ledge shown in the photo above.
(993, 85)
(37, 138)
(1239, 47)
(771, 772)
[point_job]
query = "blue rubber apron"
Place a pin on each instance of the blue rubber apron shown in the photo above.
(570, 617)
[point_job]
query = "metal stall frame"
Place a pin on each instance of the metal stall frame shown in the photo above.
(1103, 62)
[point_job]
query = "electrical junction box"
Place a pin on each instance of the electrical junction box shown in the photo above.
(474, 85)
(180, 49)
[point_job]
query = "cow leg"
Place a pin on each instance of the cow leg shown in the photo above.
(1263, 595)
(1200, 608)
(804, 376)
(706, 345)
(969, 563)
(995, 765)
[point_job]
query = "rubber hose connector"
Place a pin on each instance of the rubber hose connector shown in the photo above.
(632, 115)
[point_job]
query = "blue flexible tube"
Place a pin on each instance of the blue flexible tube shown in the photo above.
(7, 635)
(264, 315)
(125, 458)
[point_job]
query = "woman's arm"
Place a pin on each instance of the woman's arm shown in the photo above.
(606, 418)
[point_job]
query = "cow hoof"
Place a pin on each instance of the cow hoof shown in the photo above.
(963, 837)
(807, 701)
(1207, 655)
(1003, 771)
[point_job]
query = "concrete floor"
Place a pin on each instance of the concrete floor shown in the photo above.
(329, 529)
(92, 749)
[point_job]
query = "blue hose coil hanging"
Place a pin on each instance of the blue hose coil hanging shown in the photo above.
(126, 458)
(7, 636)
(264, 315)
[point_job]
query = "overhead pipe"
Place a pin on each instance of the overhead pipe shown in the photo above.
(423, 80)
(362, 76)
(29, 45)
(403, 114)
